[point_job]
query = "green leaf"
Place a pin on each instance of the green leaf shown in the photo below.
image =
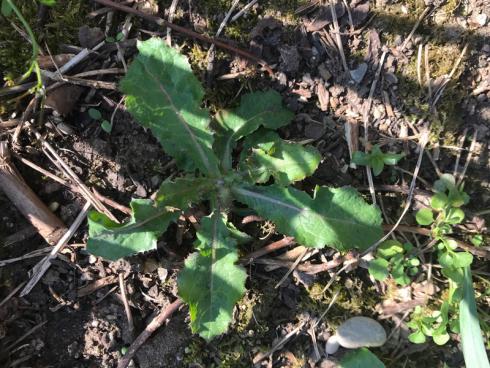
(424, 216)
(360, 158)
(477, 240)
(182, 192)
(112, 241)
(399, 275)
(271, 155)
(6, 8)
(360, 358)
(417, 337)
(106, 126)
(446, 259)
(163, 95)
(48, 2)
(445, 182)
(440, 338)
(94, 114)
(256, 109)
(389, 248)
(377, 165)
(455, 216)
(336, 217)
(210, 282)
(462, 259)
(378, 268)
(439, 201)
(472, 342)
(392, 158)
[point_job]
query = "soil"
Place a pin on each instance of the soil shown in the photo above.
(78, 324)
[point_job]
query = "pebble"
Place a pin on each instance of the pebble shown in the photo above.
(359, 73)
(359, 332)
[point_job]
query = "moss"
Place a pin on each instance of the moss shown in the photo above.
(62, 25)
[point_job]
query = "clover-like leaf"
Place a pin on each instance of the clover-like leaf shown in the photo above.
(268, 155)
(424, 216)
(112, 241)
(336, 217)
(163, 95)
(210, 282)
(255, 110)
(376, 159)
(378, 268)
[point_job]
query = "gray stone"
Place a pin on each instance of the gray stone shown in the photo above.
(359, 332)
(359, 73)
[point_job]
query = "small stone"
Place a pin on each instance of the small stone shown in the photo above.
(481, 19)
(332, 345)
(360, 332)
(359, 73)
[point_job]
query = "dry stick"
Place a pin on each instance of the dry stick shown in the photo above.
(283, 243)
(468, 159)
(427, 71)
(52, 176)
(460, 146)
(40, 268)
(47, 224)
(187, 32)
(243, 10)
(424, 138)
(171, 14)
(156, 322)
(419, 65)
(366, 113)
(211, 53)
(127, 309)
(12, 293)
(27, 334)
(426, 12)
(84, 190)
(291, 269)
(338, 38)
(440, 90)
(80, 82)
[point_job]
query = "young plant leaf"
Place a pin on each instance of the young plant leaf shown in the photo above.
(376, 159)
(6, 8)
(360, 358)
(472, 342)
(336, 217)
(389, 248)
(256, 109)
(378, 268)
(424, 216)
(149, 221)
(163, 95)
(271, 155)
(210, 282)
(417, 337)
(112, 241)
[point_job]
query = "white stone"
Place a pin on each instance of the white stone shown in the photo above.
(359, 332)
(332, 345)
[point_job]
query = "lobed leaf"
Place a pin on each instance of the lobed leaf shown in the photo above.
(112, 241)
(210, 282)
(256, 109)
(270, 155)
(336, 217)
(163, 95)
(148, 222)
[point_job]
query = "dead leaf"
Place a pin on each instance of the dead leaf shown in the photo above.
(63, 99)
(323, 96)
(324, 17)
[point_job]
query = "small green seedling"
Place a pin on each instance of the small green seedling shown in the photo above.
(163, 95)
(96, 115)
(376, 159)
(445, 212)
(395, 259)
